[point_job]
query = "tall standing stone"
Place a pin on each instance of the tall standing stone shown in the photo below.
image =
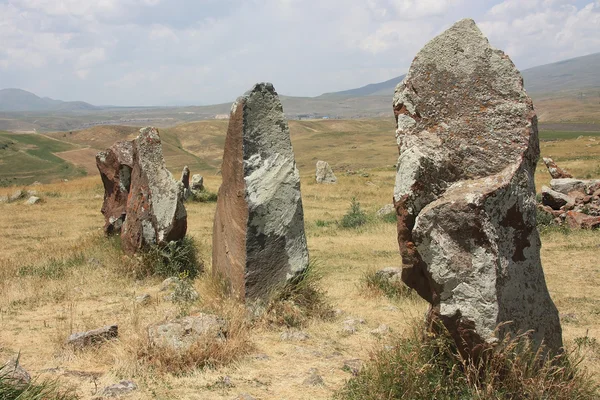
(324, 173)
(155, 211)
(185, 181)
(258, 234)
(115, 165)
(465, 194)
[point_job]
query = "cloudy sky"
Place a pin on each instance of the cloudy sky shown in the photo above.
(173, 52)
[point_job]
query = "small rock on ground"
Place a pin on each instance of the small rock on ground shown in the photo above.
(313, 378)
(385, 210)
(354, 366)
(143, 299)
(294, 336)
(13, 373)
(119, 389)
(381, 330)
(32, 200)
(95, 336)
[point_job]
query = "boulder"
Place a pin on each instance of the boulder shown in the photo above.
(182, 333)
(155, 211)
(197, 183)
(96, 336)
(16, 195)
(115, 164)
(579, 220)
(465, 194)
(324, 173)
(568, 185)
(390, 274)
(14, 374)
(32, 200)
(555, 171)
(258, 234)
(554, 199)
(385, 210)
(119, 389)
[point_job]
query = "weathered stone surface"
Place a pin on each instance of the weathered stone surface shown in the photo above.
(16, 195)
(385, 210)
(14, 374)
(578, 220)
(155, 211)
(181, 334)
(354, 366)
(554, 199)
(391, 274)
(555, 171)
(324, 173)
(294, 336)
(568, 185)
(119, 389)
(115, 166)
(32, 200)
(197, 182)
(258, 235)
(95, 336)
(313, 378)
(185, 180)
(465, 194)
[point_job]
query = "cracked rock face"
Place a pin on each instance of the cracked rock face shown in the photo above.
(465, 195)
(155, 211)
(324, 173)
(115, 165)
(258, 234)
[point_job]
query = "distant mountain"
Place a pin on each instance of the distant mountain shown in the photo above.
(18, 100)
(573, 74)
(373, 89)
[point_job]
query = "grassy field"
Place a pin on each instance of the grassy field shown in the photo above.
(25, 158)
(59, 275)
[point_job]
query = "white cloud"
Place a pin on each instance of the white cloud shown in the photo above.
(156, 52)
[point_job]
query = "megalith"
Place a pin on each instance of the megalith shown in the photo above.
(258, 234)
(324, 173)
(185, 181)
(115, 165)
(465, 195)
(155, 211)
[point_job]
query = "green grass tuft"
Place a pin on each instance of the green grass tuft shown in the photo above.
(355, 216)
(177, 257)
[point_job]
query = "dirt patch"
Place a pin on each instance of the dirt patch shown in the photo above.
(85, 158)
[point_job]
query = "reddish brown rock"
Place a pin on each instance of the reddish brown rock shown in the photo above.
(155, 211)
(258, 235)
(578, 220)
(555, 171)
(465, 193)
(115, 166)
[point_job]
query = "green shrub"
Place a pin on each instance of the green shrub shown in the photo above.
(299, 300)
(44, 390)
(428, 367)
(390, 218)
(175, 258)
(322, 223)
(203, 196)
(544, 218)
(355, 216)
(391, 289)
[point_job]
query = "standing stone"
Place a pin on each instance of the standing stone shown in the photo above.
(185, 180)
(555, 171)
(155, 211)
(324, 173)
(115, 166)
(197, 183)
(465, 193)
(258, 234)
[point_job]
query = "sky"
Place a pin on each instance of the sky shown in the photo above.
(184, 52)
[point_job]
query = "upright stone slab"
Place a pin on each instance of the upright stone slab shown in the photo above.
(115, 166)
(185, 181)
(155, 211)
(324, 173)
(465, 194)
(258, 234)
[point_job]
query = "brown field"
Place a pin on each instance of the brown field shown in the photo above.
(85, 158)
(38, 311)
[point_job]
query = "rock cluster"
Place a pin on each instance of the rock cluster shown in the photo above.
(258, 235)
(324, 173)
(573, 202)
(142, 201)
(465, 194)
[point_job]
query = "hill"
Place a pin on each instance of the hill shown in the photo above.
(18, 100)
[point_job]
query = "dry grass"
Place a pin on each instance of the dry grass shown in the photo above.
(39, 310)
